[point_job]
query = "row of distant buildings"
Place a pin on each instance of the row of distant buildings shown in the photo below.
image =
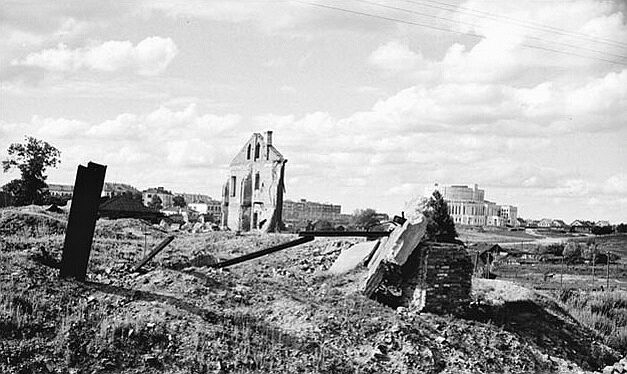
(579, 225)
(296, 214)
(468, 206)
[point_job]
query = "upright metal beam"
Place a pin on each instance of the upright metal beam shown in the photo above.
(154, 252)
(366, 234)
(263, 252)
(81, 225)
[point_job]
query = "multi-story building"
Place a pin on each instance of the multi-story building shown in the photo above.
(163, 194)
(117, 189)
(467, 206)
(109, 189)
(61, 190)
(191, 198)
(252, 197)
(509, 214)
(213, 207)
(297, 214)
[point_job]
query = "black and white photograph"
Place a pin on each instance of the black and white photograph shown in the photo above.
(313, 186)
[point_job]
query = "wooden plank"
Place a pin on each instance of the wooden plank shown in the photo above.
(263, 252)
(154, 252)
(79, 234)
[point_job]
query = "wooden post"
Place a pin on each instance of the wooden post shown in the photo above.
(154, 252)
(81, 225)
(593, 261)
(607, 275)
(562, 273)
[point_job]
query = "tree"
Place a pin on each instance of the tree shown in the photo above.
(440, 225)
(364, 218)
(31, 158)
(572, 252)
(155, 202)
(179, 201)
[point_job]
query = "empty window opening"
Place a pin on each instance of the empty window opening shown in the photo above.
(257, 181)
(248, 152)
(233, 185)
(257, 148)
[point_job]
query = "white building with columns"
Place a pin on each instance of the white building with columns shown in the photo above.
(467, 206)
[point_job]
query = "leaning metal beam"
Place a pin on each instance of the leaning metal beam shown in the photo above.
(366, 234)
(263, 252)
(154, 252)
(81, 225)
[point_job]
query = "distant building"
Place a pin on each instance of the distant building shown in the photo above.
(165, 196)
(467, 206)
(252, 197)
(581, 226)
(109, 189)
(61, 190)
(126, 206)
(602, 224)
(549, 223)
(213, 207)
(297, 214)
(192, 198)
(117, 189)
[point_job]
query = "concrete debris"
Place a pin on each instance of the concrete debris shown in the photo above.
(396, 249)
(618, 368)
(353, 257)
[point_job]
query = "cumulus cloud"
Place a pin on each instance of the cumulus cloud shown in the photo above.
(395, 56)
(150, 56)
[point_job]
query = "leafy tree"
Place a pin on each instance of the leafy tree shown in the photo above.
(155, 202)
(31, 158)
(440, 225)
(364, 218)
(179, 201)
(602, 230)
(621, 228)
(572, 252)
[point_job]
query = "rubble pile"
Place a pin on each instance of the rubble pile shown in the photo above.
(405, 270)
(31, 221)
(618, 368)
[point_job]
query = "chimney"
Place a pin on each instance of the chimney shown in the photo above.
(269, 137)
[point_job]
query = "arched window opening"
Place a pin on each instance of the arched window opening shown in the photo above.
(257, 148)
(248, 152)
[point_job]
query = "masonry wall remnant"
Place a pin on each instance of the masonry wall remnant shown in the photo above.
(252, 197)
(437, 278)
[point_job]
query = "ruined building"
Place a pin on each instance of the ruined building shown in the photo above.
(252, 197)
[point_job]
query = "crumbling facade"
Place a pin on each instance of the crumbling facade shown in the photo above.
(252, 197)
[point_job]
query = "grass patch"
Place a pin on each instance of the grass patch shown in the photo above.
(603, 312)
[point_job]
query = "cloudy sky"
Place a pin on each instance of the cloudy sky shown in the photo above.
(371, 101)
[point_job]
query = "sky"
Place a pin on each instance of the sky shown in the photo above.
(371, 101)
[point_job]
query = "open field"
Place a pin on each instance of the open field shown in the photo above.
(279, 313)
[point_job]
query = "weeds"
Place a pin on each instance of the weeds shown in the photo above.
(603, 312)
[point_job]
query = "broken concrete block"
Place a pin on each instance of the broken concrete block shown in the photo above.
(397, 249)
(353, 257)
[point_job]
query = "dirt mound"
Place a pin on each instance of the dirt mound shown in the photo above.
(31, 221)
(126, 228)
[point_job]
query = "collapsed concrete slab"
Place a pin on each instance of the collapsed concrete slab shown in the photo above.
(395, 252)
(353, 257)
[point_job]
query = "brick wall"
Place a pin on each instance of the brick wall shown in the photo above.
(437, 278)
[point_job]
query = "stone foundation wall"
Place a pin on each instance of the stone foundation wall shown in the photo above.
(437, 278)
